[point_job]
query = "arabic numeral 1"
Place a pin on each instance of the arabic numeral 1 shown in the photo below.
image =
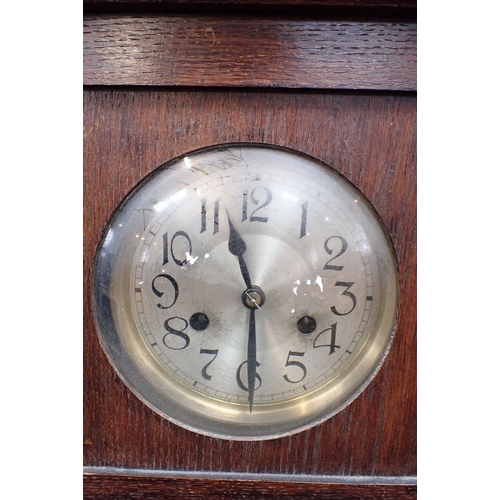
(303, 221)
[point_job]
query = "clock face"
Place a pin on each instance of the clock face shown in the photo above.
(245, 291)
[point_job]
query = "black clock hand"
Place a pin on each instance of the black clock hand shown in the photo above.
(238, 247)
(251, 359)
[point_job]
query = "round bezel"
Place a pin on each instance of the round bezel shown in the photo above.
(126, 260)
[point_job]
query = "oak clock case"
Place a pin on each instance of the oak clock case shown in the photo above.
(245, 291)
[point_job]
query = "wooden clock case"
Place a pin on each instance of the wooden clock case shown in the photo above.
(333, 79)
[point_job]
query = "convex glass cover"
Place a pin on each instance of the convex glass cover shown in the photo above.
(245, 291)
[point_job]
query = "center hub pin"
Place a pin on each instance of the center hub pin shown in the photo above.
(253, 298)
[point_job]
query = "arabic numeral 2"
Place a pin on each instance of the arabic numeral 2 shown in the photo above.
(328, 244)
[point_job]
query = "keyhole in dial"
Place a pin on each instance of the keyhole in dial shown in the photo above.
(306, 324)
(199, 321)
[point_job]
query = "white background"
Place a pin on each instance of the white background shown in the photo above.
(41, 255)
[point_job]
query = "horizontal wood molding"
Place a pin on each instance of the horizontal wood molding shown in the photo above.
(248, 51)
(144, 484)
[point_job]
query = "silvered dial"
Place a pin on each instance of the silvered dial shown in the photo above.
(246, 292)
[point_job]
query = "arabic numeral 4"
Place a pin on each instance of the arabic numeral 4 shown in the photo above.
(329, 339)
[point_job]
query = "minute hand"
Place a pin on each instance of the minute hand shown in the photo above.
(237, 247)
(251, 359)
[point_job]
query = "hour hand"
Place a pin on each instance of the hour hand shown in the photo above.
(237, 247)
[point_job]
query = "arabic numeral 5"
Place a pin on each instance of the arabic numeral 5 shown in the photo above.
(298, 364)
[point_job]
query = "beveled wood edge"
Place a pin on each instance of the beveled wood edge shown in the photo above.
(248, 476)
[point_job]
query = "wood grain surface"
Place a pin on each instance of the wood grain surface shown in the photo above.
(251, 51)
(151, 487)
(368, 137)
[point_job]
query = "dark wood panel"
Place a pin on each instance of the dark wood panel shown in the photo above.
(371, 140)
(248, 51)
(403, 10)
(98, 487)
